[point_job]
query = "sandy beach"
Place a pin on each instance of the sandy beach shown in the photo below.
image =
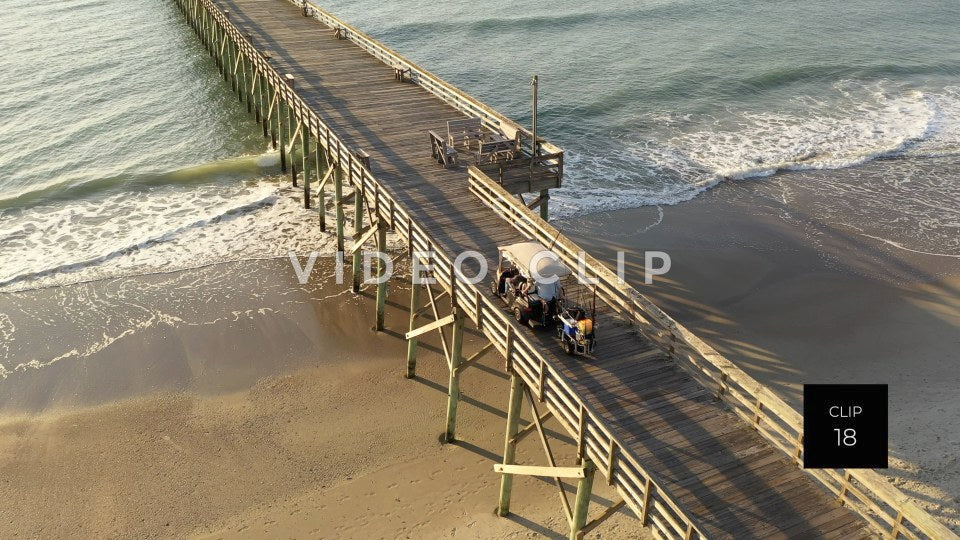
(278, 412)
(793, 297)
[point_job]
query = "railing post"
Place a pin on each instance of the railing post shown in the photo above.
(645, 509)
(611, 459)
(897, 523)
(453, 392)
(842, 497)
(584, 491)
(510, 443)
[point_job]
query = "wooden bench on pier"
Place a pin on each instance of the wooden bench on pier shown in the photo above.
(445, 154)
(496, 150)
(463, 133)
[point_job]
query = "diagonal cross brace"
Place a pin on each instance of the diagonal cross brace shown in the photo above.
(435, 325)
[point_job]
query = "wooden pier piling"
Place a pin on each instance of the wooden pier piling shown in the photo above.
(582, 504)
(415, 289)
(357, 233)
(453, 385)
(307, 156)
(510, 442)
(382, 278)
(282, 133)
(338, 203)
(323, 171)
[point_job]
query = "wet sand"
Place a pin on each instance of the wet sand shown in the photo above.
(258, 407)
(792, 298)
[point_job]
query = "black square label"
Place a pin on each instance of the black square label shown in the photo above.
(844, 426)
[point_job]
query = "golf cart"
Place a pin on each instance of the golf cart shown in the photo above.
(576, 330)
(533, 302)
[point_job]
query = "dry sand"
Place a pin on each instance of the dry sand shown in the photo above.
(794, 299)
(335, 443)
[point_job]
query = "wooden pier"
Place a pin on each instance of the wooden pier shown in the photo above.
(695, 447)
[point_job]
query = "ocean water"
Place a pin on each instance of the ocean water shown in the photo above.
(122, 152)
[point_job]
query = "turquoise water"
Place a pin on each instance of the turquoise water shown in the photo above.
(121, 151)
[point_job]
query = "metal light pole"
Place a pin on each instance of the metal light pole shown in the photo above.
(536, 84)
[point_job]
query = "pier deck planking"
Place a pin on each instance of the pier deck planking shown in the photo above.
(729, 479)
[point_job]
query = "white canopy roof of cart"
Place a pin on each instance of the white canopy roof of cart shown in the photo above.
(524, 253)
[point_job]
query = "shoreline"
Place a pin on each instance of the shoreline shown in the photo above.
(326, 438)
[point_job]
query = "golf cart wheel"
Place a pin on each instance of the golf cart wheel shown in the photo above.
(518, 315)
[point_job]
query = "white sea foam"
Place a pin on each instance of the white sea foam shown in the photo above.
(163, 229)
(675, 157)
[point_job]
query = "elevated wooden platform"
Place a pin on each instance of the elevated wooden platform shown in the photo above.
(682, 459)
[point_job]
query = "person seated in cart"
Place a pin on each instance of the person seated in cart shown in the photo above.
(533, 296)
(505, 279)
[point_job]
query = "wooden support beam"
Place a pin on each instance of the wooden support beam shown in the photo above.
(549, 453)
(273, 103)
(282, 133)
(534, 470)
(582, 505)
(293, 139)
(291, 121)
(449, 319)
(242, 84)
(272, 114)
(305, 148)
(453, 387)
(424, 309)
(358, 242)
(264, 102)
(338, 203)
(475, 356)
(412, 342)
(602, 517)
(436, 315)
(381, 276)
(510, 443)
(255, 92)
(320, 162)
(529, 428)
(544, 203)
(357, 226)
(326, 178)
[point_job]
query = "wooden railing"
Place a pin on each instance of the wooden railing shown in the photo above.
(595, 442)
(882, 504)
(546, 164)
(450, 94)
